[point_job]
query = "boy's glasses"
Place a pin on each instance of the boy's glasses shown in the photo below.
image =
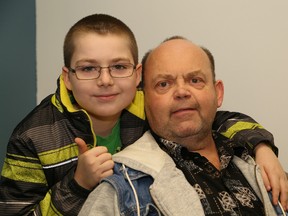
(90, 72)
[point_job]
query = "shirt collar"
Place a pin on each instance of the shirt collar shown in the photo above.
(226, 148)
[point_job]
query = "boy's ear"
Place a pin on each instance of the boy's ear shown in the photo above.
(65, 76)
(138, 74)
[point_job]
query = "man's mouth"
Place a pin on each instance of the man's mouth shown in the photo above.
(183, 111)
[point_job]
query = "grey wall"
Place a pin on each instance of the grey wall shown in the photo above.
(17, 65)
(249, 40)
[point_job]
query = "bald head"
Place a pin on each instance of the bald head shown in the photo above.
(176, 49)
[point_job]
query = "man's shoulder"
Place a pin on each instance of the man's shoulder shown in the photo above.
(144, 155)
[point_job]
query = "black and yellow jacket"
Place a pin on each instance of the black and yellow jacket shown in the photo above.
(37, 175)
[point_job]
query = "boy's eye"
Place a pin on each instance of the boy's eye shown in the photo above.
(118, 67)
(88, 68)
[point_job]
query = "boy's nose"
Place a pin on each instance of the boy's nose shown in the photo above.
(105, 78)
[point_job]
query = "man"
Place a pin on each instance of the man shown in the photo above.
(217, 176)
(97, 100)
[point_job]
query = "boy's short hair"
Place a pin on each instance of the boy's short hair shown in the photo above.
(101, 24)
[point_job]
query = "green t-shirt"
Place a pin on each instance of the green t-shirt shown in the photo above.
(113, 141)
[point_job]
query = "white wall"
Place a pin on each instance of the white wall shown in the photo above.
(249, 40)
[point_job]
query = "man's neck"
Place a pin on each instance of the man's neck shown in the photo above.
(205, 146)
(210, 153)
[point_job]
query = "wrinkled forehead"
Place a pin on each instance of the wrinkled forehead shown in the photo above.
(178, 55)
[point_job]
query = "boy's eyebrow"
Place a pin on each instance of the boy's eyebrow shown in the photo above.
(121, 59)
(96, 62)
(86, 61)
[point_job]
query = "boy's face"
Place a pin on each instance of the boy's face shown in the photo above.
(104, 97)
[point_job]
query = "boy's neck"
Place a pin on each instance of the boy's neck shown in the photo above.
(103, 127)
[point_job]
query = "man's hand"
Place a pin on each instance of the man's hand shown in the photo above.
(93, 165)
(273, 174)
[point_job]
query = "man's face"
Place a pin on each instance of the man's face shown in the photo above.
(104, 97)
(181, 97)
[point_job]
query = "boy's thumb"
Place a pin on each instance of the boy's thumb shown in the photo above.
(82, 147)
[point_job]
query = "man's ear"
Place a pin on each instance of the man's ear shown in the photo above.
(219, 87)
(66, 79)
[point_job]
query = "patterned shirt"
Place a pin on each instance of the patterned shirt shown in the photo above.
(221, 192)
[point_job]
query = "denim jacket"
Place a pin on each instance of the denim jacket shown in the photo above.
(168, 188)
(132, 188)
(128, 195)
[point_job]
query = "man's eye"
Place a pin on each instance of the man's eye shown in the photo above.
(162, 84)
(194, 80)
(197, 83)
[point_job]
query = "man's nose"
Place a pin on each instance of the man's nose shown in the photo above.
(182, 91)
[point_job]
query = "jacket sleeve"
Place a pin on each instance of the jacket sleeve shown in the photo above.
(24, 189)
(243, 129)
(66, 197)
(102, 201)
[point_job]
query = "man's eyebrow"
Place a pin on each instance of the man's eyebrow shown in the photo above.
(194, 72)
(168, 75)
(164, 76)
(188, 73)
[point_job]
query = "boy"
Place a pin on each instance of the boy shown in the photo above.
(43, 173)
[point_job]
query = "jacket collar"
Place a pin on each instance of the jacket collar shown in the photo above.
(169, 183)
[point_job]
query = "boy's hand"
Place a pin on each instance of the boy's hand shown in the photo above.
(93, 165)
(273, 174)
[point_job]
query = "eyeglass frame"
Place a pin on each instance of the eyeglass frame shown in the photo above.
(74, 70)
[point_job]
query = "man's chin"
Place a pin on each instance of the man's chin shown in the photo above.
(183, 132)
